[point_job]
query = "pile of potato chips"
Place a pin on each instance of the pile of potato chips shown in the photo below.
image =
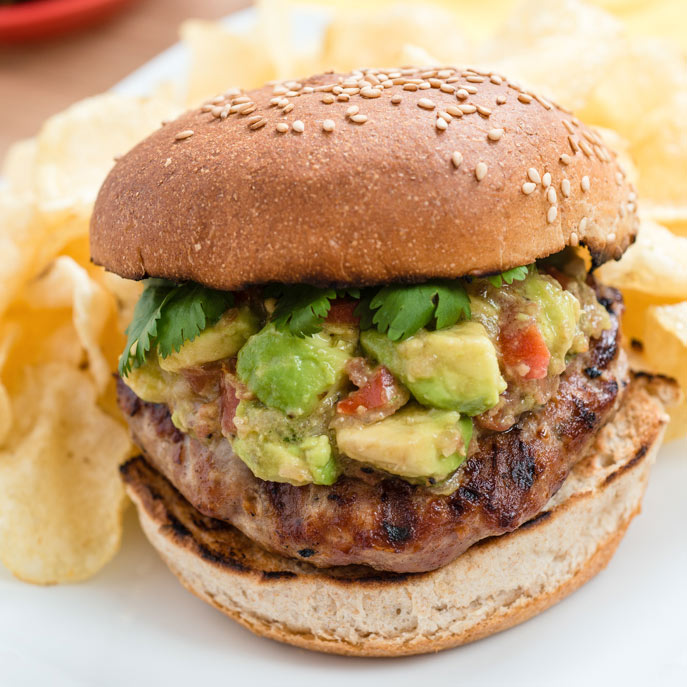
(62, 319)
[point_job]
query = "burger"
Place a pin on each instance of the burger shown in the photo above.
(379, 395)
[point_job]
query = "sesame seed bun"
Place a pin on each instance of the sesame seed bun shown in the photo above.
(497, 583)
(362, 178)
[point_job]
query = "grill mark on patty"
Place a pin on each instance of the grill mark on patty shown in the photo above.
(390, 524)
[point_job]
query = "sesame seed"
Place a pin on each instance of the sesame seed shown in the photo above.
(565, 188)
(282, 127)
(619, 178)
(434, 83)
(328, 125)
(217, 99)
(496, 79)
(240, 100)
(207, 108)
(456, 158)
(484, 111)
(426, 104)
(441, 124)
(168, 162)
(444, 115)
(501, 99)
(328, 99)
(287, 108)
(370, 92)
(396, 99)
(410, 87)
(546, 180)
(583, 225)
(247, 108)
(543, 102)
(495, 134)
(474, 78)
(573, 144)
(352, 110)
(586, 148)
(258, 124)
(351, 91)
(253, 119)
(611, 237)
(217, 111)
(480, 171)
(290, 94)
(308, 89)
(343, 97)
(552, 214)
(224, 113)
(528, 187)
(568, 125)
(525, 98)
(565, 159)
(280, 90)
(574, 239)
(298, 126)
(534, 175)
(462, 94)
(444, 73)
(359, 118)
(454, 111)
(187, 133)
(447, 88)
(467, 109)
(585, 184)
(551, 195)
(424, 86)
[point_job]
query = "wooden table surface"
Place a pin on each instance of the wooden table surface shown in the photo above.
(39, 79)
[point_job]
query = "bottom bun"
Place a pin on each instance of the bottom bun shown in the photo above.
(496, 584)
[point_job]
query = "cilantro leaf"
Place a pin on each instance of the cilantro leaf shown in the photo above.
(509, 276)
(167, 315)
(403, 310)
(300, 309)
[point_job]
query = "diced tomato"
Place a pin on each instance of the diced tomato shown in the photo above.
(229, 401)
(525, 351)
(562, 278)
(374, 394)
(341, 312)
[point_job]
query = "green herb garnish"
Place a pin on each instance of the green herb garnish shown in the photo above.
(509, 276)
(167, 315)
(400, 311)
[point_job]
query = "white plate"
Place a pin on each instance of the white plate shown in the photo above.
(133, 624)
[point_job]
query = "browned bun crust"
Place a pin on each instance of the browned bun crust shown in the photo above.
(238, 203)
(354, 610)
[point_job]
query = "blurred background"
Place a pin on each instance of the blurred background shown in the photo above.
(54, 52)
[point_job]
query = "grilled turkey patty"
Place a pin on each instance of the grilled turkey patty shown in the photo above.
(387, 523)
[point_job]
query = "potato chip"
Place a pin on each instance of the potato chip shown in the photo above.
(673, 217)
(18, 167)
(660, 151)
(637, 305)
(665, 340)
(222, 59)
(677, 429)
(647, 66)
(375, 38)
(61, 498)
(415, 55)
(76, 148)
(560, 47)
(67, 285)
(654, 265)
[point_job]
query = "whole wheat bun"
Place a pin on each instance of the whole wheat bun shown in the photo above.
(496, 584)
(466, 174)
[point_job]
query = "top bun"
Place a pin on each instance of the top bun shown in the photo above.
(375, 176)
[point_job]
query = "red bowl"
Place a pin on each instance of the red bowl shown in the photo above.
(39, 19)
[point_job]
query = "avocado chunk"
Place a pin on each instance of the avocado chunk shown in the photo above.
(288, 372)
(415, 442)
(222, 340)
(453, 369)
(149, 382)
(557, 315)
(279, 449)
